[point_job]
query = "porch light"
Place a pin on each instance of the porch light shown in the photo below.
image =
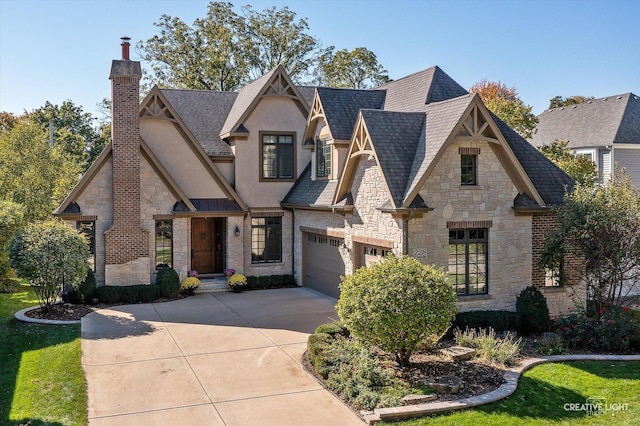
(236, 231)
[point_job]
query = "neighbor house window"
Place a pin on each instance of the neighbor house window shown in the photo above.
(277, 156)
(323, 158)
(469, 169)
(266, 239)
(88, 229)
(468, 260)
(164, 243)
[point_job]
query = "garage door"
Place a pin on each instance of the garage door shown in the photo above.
(323, 263)
(371, 254)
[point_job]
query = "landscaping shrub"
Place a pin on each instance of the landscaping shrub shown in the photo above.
(129, 294)
(533, 313)
(332, 328)
(169, 282)
(11, 219)
(488, 346)
(289, 281)
(189, 284)
(277, 281)
(83, 292)
(49, 255)
(617, 330)
(264, 282)
(398, 305)
(108, 294)
(498, 320)
(552, 345)
(252, 283)
(148, 293)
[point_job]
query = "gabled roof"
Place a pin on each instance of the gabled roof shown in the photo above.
(413, 92)
(276, 82)
(550, 181)
(308, 193)
(600, 122)
(341, 107)
(204, 113)
(395, 137)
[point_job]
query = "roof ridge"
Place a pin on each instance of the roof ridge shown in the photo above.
(407, 76)
(592, 101)
(197, 90)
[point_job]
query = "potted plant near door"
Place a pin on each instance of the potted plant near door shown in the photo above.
(237, 282)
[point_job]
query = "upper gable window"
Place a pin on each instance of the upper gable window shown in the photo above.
(469, 166)
(277, 156)
(323, 158)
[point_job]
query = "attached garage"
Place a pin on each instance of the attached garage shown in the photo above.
(368, 254)
(322, 263)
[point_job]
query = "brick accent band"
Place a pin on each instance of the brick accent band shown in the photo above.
(326, 232)
(372, 241)
(470, 224)
(468, 151)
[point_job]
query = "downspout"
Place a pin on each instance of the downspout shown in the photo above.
(293, 243)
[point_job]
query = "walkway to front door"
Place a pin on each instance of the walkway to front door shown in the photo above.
(212, 359)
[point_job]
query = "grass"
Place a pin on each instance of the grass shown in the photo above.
(41, 376)
(544, 390)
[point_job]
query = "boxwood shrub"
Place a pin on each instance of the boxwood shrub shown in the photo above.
(498, 320)
(128, 294)
(169, 282)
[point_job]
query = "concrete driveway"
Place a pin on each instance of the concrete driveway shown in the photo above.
(211, 359)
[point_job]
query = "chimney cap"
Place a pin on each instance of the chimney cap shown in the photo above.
(125, 39)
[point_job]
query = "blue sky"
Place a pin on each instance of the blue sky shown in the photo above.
(53, 50)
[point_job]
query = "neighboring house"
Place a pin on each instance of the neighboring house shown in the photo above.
(316, 182)
(605, 130)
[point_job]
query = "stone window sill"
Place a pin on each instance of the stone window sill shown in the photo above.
(474, 297)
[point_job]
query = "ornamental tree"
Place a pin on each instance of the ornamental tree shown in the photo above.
(50, 255)
(398, 305)
(581, 169)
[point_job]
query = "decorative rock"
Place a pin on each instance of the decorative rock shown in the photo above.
(459, 353)
(413, 399)
(444, 384)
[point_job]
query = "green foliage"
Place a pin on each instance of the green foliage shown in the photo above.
(83, 292)
(559, 101)
(264, 281)
(614, 329)
(581, 169)
(498, 320)
(49, 255)
(277, 281)
(289, 281)
(533, 312)
(168, 281)
(252, 283)
(507, 105)
(11, 219)
(332, 328)
(358, 69)
(551, 345)
(599, 224)
(32, 173)
(504, 351)
(398, 305)
(128, 294)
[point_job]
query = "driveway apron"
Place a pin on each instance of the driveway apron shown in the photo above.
(211, 359)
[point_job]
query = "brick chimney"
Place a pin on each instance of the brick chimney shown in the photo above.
(126, 243)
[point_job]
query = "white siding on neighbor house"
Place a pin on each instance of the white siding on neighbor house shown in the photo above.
(604, 163)
(630, 160)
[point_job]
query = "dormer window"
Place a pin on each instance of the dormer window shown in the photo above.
(323, 158)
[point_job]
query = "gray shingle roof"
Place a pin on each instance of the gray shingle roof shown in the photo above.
(209, 205)
(203, 112)
(395, 136)
(550, 181)
(341, 107)
(308, 93)
(600, 122)
(413, 92)
(306, 192)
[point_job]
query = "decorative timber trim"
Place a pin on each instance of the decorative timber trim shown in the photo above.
(470, 224)
(87, 218)
(468, 151)
(325, 232)
(266, 213)
(372, 241)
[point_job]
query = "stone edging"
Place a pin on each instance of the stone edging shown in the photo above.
(511, 377)
(20, 316)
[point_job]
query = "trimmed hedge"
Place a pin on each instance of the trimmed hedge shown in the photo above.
(128, 294)
(270, 281)
(84, 291)
(498, 320)
(169, 282)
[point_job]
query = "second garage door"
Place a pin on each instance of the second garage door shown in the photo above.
(323, 263)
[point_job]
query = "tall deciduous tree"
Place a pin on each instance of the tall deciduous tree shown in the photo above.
(32, 173)
(599, 224)
(504, 102)
(559, 101)
(358, 69)
(581, 169)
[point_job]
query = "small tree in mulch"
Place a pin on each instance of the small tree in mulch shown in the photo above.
(398, 305)
(49, 255)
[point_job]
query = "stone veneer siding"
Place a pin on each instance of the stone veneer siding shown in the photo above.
(491, 200)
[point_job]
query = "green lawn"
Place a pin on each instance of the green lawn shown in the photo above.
(544, 390)
(41, 377)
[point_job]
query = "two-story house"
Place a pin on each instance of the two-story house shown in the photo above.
(316, 182)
